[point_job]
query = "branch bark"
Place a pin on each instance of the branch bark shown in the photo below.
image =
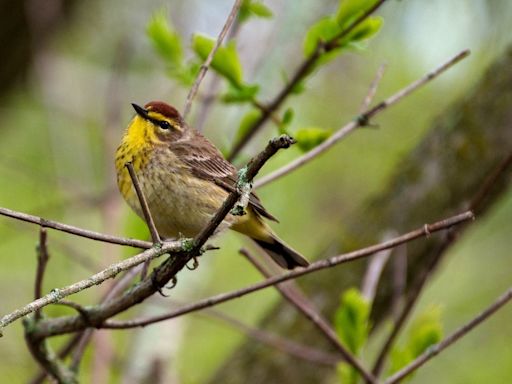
(441, 175)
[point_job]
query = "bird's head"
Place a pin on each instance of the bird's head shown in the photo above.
(156, 122)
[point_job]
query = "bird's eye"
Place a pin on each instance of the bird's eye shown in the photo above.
(164, 124)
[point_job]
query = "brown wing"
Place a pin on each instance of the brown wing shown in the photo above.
(206, 162)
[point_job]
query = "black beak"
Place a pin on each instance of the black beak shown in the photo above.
(140, 111)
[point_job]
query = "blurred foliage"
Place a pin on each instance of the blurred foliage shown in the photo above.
(425, 331)
(60, 128)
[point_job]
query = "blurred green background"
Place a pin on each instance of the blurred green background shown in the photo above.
(71, 70)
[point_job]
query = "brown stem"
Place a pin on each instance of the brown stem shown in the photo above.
(204, 67)
(300, 74)
(455, 336)
(426, 230)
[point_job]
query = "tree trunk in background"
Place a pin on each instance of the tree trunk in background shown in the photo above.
(437, 179)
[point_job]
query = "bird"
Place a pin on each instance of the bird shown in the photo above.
(185, 180)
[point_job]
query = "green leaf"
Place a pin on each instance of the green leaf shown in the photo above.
(364, 31)
(251, 8)
(350, 10)
(286, 120)
(425, 331)
(351, 320)
(240, 94)
(247, 122)
(165, 40)
(309, 138)
(322, 31)
(225, 61)
(346, 373)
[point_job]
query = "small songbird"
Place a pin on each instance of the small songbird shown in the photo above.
(185, 180)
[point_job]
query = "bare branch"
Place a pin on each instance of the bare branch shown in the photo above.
(143, 205)
(75, 230)
(426, 230)
(187, 250)
(426, 271)
(282, 344)
(206, 64)
(42, 261)
(81, 339)
(245, 176)
(301, 73)
(362, 120)
(455, 336)
(373, 273)
(306, 308)
(373, 89)
(58, 294)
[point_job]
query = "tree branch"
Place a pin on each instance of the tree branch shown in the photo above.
(301, 72)
(360, 121)
(426, 230)
(206, 64)
(57, 294)
(144, 205)
(306, 308)
(75, 230)
(422, 277)
(455, 336)
(186, 250)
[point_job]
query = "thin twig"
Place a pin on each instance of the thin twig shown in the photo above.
(306, 308)
(455, 336)
(246, 176)
(360, 121)
(42, 260)
(415, 291)
(373, 89)
(143, 204)
(161, 275)
(58, 294)
(75, 230)
(278, 342)
(78, 353)
(373, 273)
(301, 73)
(65, 350)
(204, 67)
(425, 230)
(81, 339)
(399, 280)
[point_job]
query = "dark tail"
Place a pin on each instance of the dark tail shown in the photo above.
(282, 254)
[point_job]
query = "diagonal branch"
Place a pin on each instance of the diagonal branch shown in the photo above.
(57, 294)
(278, 342)
(360, 121)
(305, 307)
(300, 74)
(75, 230)
(204, 67)
(414, 292)
(143, 205)
(454, 337)
(425, 230)
(182, 252)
